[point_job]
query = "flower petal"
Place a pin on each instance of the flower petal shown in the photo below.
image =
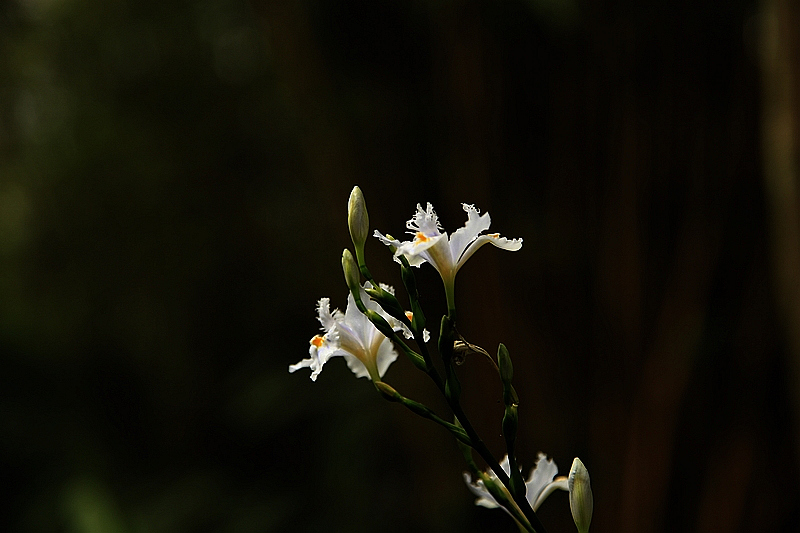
(306, 363)
(320, 350)
(485, 499)
(386, 356)
(325, 317)
(351, 335)
(386, 240)
(493, 238)
(356, 366)
(558, 483)
(413, 260)
(541, 474)
(476, 224)
(424, 221)
(420, 244)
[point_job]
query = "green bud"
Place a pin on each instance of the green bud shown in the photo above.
(506, 370)
(393, 248)
(417, 317)
(380, 323)
(357, 219)
(387, 391)
(409, 281)
(510, 423)
(504, 362)
(352, 274)
(581, 502)
(388, 302)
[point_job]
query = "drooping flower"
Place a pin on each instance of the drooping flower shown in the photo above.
(446, 254)
(351, 335)
(539, 485)
(542, 481)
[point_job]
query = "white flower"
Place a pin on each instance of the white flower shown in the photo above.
(539, 485)
(485, 499)
(447, 255)
(351, 335)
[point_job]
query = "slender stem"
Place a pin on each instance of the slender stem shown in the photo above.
(450, 294)
(389, 393)
(479, 446)
(445, 337)
(469, 435)
(432, 372)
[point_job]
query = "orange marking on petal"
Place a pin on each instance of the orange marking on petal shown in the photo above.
(409, 315)
(421, 237)
(494, 235)
(317, 341)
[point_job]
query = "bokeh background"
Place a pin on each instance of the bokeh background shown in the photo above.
(173, 185)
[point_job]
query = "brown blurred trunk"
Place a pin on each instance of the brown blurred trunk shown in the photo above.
(780, 74)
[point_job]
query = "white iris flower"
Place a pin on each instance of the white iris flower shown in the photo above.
(351, 335)
(447, 255)
(540, 483)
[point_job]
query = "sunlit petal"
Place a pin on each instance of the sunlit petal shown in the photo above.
(351, 335)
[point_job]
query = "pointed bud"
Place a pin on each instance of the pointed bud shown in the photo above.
(351, 273)
(580, 496)
(352, 277)
(504, 363)
(388, 302)
(387, 391)
(380, 323)
(392, 247)
(358, 220)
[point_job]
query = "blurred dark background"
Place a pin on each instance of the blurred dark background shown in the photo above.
(173, 188)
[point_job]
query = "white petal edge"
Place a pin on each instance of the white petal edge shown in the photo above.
(476, 223)
(493, 238)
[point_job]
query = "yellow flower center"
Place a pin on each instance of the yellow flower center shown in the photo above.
(317, 341)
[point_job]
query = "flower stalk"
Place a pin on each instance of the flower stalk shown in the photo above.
(375, 326)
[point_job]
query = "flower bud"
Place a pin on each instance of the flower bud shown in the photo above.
(358, 220)
(504, 364)
(392, 247)
(351, 273)
(387, 391)
(352, 277)
(380, 323)
(387, 301)
(580, 496)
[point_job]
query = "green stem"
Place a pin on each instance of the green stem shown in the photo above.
(450, 294)
(419, 361)
(389, 393)
(479, 446)
(447, 335)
